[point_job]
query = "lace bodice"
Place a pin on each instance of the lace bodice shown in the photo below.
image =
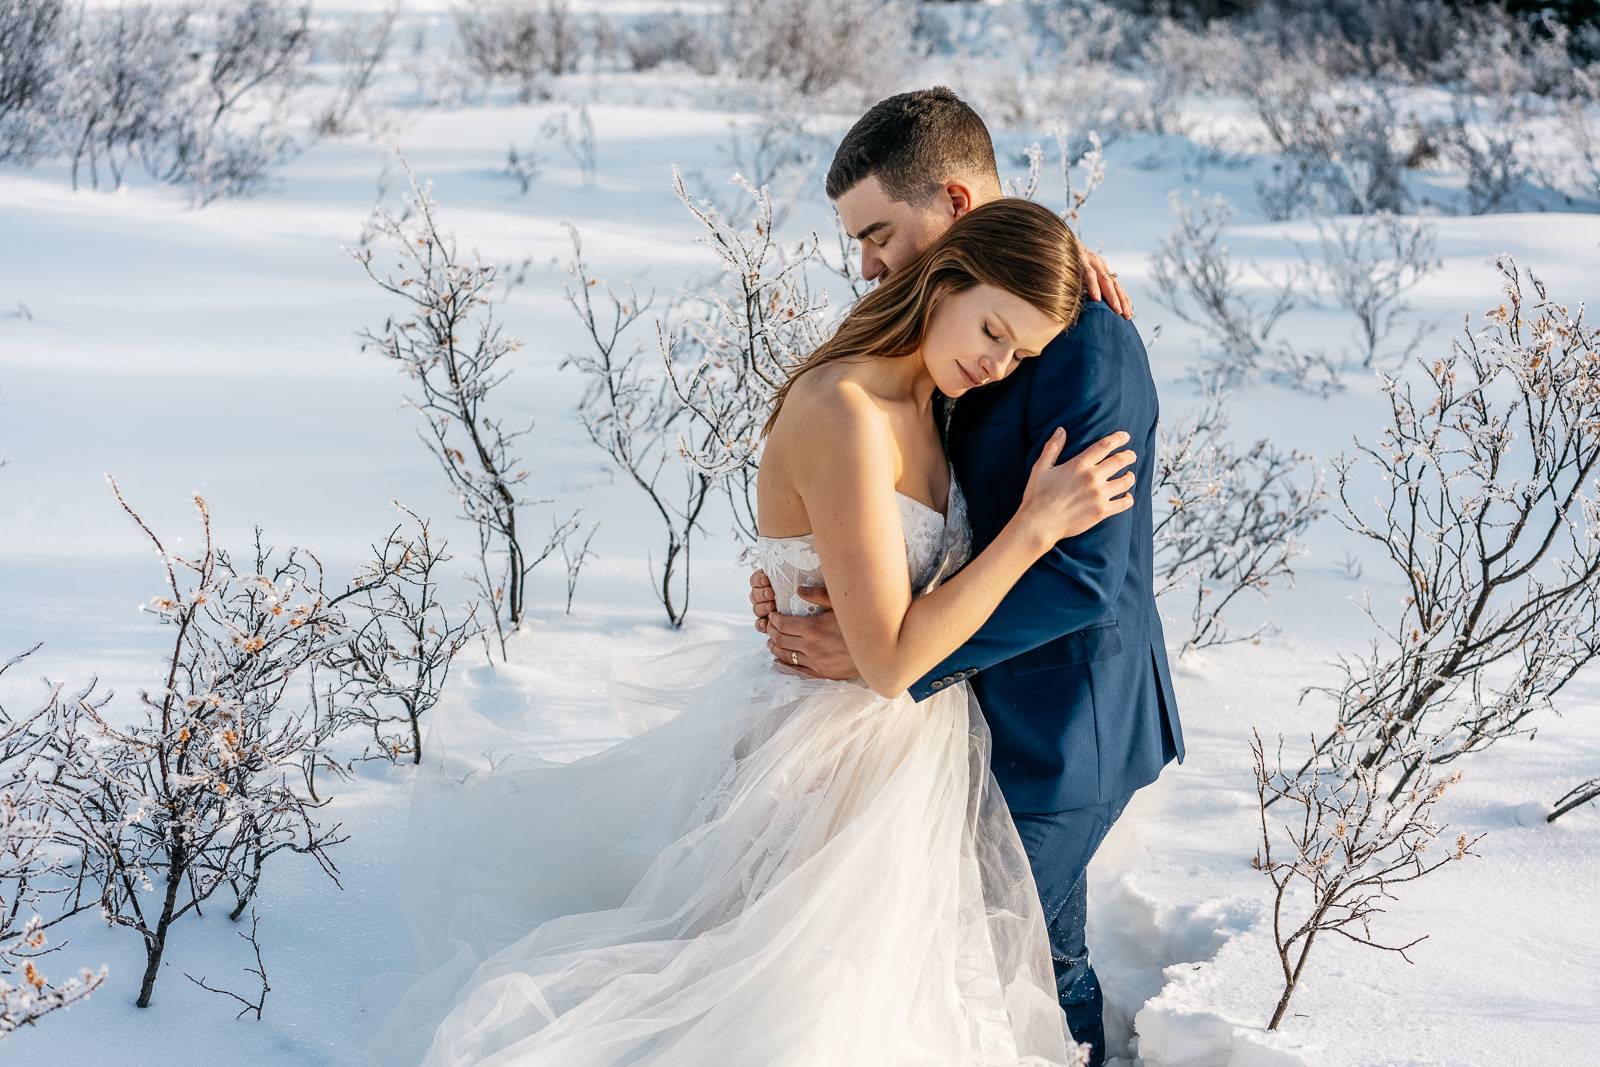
(936, 546)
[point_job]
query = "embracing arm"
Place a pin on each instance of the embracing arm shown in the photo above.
(850, 502)
(1076, 582)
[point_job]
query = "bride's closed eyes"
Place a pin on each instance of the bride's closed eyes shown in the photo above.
(1009, 330)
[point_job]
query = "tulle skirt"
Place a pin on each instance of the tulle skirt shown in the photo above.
(769, 869)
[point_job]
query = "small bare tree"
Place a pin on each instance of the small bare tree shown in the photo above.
(32, 871)
(359, 48)
(1489, 513)
(1367, 269)
(522, 166)
(232, 123)
(1579, 127)
(575, 131)
(452, 348)
(1343, 148)
(128, 70)
(1348, 846)
(1198, 281)
(1490, 142)
(33, 43)
(197, 796)
(521, 41)
(818, 46)
(733, 344)
(397, 656)
(629, 412)
(1228, 521)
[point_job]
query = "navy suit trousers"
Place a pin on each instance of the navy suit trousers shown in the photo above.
(1059, 846)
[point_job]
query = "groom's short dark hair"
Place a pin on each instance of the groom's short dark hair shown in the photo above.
(914, 142)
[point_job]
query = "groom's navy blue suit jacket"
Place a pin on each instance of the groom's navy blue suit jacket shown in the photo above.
(1071, 669)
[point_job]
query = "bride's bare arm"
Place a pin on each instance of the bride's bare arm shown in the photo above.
(848, 489)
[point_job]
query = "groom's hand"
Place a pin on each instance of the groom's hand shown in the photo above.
(1102, 283)
(815, 638)
(762, 600)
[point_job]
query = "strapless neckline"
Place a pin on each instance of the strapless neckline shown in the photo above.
(937, 544)
(942, 516)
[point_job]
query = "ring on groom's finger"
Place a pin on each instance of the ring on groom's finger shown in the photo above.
(794, 658)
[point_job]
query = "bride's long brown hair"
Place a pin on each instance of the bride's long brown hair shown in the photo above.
(1012, 243)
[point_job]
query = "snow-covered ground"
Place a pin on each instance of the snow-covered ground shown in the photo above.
(216, 351)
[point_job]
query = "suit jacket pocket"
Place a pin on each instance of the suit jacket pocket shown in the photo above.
(1080, 646)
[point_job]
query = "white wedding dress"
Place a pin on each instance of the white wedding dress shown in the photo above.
(771, 870)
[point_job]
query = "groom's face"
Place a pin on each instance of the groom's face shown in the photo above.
(892, 232)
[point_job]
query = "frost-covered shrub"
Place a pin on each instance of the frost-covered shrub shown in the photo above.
(359, 48)
(36, 876)
(859, 47)
(401, 643)
(684, 421)
(1089, 162)
(1343, 149)
(1357, 38)
(1228, 521)
(198, 792)
(1337, 854)
(1488, 514)
(1490, 143)
(776, 151)
(670, 37)
(1197, 280)
(200, 97)
(128, 70)
(1178, 60)
(523, 42)
(455, 354)
(234, 120)
(33, 34)
(1577, 120)
(1495, 53)
(1366, 268)
(630, 413)
(574, 129)
(1061, 66)
(733, 345)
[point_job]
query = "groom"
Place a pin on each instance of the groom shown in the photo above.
(1071, 669)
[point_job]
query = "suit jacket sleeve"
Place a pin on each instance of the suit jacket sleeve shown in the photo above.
(1097, 382)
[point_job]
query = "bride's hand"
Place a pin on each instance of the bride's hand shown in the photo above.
(1064, 500)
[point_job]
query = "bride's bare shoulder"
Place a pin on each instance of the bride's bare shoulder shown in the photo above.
(830, 398)
(827, 415)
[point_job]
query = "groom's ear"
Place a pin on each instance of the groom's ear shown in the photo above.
(957, 197)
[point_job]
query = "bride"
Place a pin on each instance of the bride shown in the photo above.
(774, 868)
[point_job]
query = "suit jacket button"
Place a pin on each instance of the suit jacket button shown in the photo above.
(937, 685)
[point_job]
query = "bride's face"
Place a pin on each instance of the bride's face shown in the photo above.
(977, 337)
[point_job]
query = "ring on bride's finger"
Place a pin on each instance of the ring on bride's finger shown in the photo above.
(794, 658)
